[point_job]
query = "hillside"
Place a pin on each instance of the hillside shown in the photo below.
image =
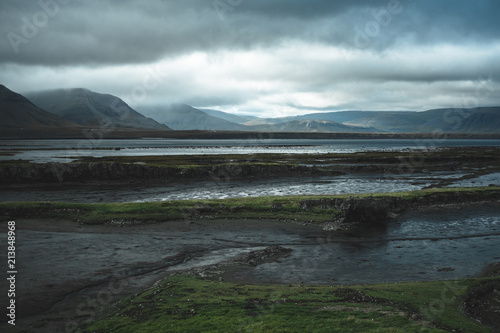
(91, 109)
(477, 120)
(185, 117)
(238, 119)
(306, 125)
(17, 112)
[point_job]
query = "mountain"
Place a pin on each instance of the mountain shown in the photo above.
(91, 109)
(451, 120)
(238, 119)
(185, 117)
(306, 125)
(17, 112)
(479, 120)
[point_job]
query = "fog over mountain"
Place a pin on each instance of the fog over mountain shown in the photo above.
(74, 108)
(308, 125)
(264, 58)
(185, 117)
(17, 112)
(453, 120)
(235, 118)
(92, 109)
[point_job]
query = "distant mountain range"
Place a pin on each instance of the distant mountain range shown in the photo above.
(484, 120)
(93, 110)
(185, 117)
(476, 120)
(83, 109)
(239, 119)
(308, 125)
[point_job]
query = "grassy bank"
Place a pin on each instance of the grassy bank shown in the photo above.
(419, 156)
(474, 161)
(186, 303)
(286, 207)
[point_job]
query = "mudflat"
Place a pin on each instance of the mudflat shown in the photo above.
(72, 273)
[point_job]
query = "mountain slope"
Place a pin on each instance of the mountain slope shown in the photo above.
(92, 109)
(185, 117)
(17, 112)
(305, 125)
(477, 120)
(238, 119)
(480, 120)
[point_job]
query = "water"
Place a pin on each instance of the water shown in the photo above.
(325, 185)
(69, 150)
(483, 180)
(421, 246)
(441, 244)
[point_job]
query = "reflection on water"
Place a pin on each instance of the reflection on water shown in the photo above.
(68, 150)
(356, 183)
(421, 246)
(483, 180)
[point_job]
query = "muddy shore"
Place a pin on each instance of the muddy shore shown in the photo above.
(72, 272)
(120, 169)
(107, 262)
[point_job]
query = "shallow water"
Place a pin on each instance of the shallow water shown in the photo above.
(415, 248)
(421, 246)
(355, 183)
(68, 150)
(62, 268)
(483, 180)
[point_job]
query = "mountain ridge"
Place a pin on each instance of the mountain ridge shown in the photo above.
(186, 117)
(449, 120)
(17, 112)
(80, 107)
(90, 109)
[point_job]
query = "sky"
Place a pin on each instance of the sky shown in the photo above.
(269, 58)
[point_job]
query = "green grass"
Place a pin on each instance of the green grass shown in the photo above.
(186, 303)
(422, 158)
(286, 207)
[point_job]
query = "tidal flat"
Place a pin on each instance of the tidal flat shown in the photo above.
(423, 259)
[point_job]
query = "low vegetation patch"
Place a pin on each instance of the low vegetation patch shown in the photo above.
(307, 209)
(475, 160)
(188, 303)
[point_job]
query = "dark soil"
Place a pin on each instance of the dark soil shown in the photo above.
(483, 303)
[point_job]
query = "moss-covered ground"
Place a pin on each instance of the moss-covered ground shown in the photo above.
(187, 303)
(285, 207)
(417, 158)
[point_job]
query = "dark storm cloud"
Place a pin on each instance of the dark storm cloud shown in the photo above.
(57, 32)
(285, 56)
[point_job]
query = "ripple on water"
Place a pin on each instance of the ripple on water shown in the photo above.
(444, 244)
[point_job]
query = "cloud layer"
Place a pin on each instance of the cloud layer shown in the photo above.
(272, 58)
